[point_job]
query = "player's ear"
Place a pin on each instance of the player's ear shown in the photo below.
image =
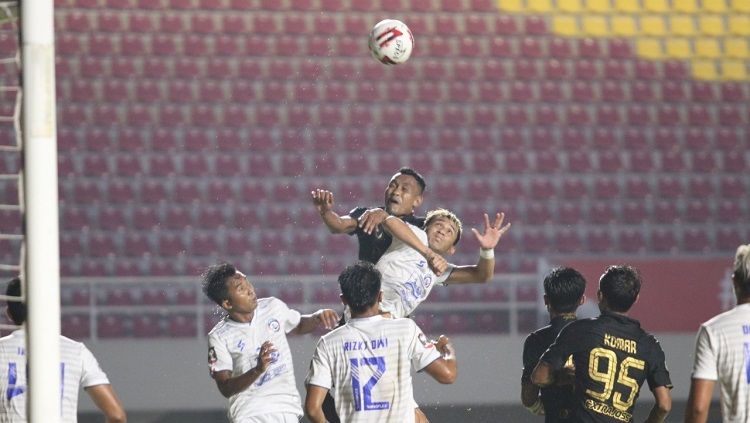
(582, 300)
(226, 305)
(343, 300)
(546, 300)
(418, 200)
(451, 250)
(380, 297)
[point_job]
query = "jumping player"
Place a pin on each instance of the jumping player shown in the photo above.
(612, 356)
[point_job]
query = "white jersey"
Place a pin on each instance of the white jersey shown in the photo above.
(366, 365)
(721, 353)
(78, 368)
(406, 278)
(234, 346)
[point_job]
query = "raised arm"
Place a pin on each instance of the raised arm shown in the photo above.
(662, 407)
(483, 271)
(229, 385)
(323, 201)
(106, 400)
(323, 318)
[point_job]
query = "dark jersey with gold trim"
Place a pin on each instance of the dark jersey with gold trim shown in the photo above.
(558, 401)
(372, 246)
(612, 357)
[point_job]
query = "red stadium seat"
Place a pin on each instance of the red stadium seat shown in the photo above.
(700, 187)
(698, 211)
(602, 213)
(634, 212)
(670, 187)
(182, 326)
(599, 240)
(147, 326)
(75, 326)
(568, 213)
(112, 326)
(177, 217)
(728, 211)
(663, 241)
(169, 244)
(727, 239)
(136, 244)
(631, 241)
(665, 211)
(732, 187)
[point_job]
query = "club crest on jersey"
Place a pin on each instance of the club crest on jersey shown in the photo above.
(274, 325)
(424, 341)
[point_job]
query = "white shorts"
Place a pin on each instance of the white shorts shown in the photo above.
(271, 418)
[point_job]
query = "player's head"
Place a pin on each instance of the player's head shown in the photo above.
(360, 287)
(229, 288)
(618, 288)
(741, 274)
(16, 309)
(404, 192)
(443, 231)
(563, 290)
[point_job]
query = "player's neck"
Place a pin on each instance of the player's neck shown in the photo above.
(566, 316)
(743, 300)
(372, 311)
(242, 317)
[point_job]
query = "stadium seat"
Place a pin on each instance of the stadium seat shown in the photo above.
(728, 211)
(147, 326)
(136, 244)
(732, 187)
(169, 244)
(665, 211)
(727, 239)
(698, 211)
(599, 241)
(112, 326)
(204, 244)
(75, 326)
(602, 213)
(101, 245)
(635, 212)
(145, 217)
(177, 217)
(664, 241)
(613, 91)
(186, 191)
(632, 241)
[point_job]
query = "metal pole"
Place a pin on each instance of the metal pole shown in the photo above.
(40, 187)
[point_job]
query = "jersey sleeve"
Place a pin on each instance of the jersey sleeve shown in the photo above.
(658, 374)
(355, 214)
(704, 366)
(219, 358)
(289, 317)
(92, 374)
(531, 354)
(441, 280)
(320, 373)
(421, 351)
(566, 344)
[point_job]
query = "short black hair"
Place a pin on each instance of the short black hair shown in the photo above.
(564, 287)
(413, 173)
(360, 286)
(16, 309)
(620, 286)
(215, 281)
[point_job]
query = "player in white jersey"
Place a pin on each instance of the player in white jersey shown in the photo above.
(367, 363)
(414, 262)
(248, 353)
(721, 355)
(78, 368)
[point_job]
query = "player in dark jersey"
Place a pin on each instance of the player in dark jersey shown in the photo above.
(402, 196)
(612, 356)
(563, 292)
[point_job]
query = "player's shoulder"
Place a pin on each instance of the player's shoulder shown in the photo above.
(270, 305)
(738, 314)
(358, 211)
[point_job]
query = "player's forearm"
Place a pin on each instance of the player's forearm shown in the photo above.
(315, 415)
(336, 224)
(657, 415)
(234, 385)
(307, 323)
(400, 230)
(695, 415)
(485, 268)
(542, 375)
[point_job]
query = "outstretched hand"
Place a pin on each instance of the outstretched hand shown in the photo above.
(326, 318)
(322, 200)
(492, 233)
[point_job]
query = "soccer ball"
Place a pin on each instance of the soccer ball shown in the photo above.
(391, 42)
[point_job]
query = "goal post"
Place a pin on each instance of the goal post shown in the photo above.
(42, 267)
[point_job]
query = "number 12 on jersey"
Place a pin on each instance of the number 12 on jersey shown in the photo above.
(363, 394)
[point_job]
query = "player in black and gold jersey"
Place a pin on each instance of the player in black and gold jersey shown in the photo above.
(612, 356)
(563, 292)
